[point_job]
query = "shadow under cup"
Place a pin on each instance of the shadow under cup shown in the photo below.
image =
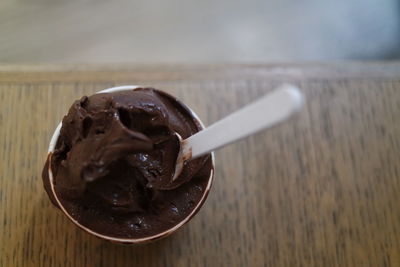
(140, 240)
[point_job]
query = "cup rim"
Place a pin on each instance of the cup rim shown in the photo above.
(165, 233)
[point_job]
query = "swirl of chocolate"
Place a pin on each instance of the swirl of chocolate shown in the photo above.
(114, 161)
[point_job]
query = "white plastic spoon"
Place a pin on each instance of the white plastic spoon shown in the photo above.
(265, 112)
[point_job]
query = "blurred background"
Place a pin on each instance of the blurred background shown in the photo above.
(198, 31)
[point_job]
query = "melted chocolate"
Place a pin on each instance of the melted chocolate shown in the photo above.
(114, 161)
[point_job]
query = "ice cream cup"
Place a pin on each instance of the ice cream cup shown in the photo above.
(142, 240)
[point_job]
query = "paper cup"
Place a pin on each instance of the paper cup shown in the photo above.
(141, 240)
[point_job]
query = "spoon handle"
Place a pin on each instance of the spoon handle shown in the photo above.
(263, 113)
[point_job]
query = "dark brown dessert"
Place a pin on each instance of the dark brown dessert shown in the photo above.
(114, 161)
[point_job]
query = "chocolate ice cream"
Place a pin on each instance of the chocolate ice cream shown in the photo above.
(114, 161)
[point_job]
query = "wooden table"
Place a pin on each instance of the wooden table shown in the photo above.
(320, 190)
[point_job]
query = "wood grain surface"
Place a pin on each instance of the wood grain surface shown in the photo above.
(322, 189)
